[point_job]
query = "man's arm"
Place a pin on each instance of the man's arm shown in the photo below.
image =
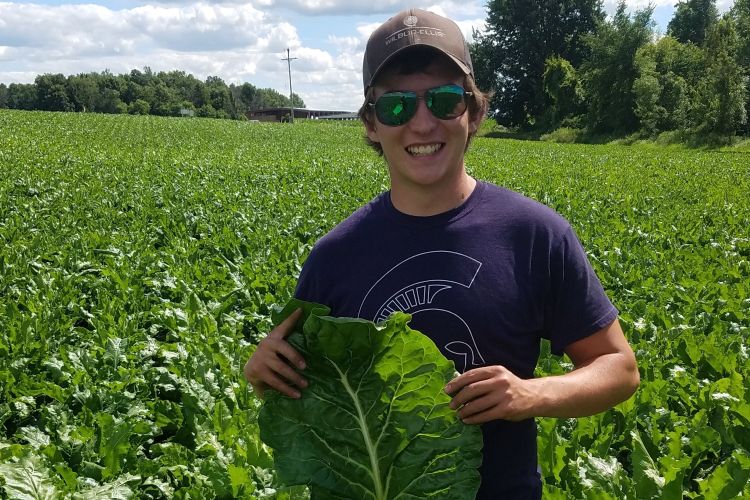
(605, 374)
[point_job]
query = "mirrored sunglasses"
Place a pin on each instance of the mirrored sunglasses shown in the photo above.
(445, 102)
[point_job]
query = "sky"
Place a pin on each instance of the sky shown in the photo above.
(236, 41)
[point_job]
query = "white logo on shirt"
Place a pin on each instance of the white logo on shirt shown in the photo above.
(442, 270)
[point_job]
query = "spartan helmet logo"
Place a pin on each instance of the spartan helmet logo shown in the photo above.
(411, 21)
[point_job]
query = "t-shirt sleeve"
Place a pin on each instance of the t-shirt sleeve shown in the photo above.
(576, 304)
(307, 288)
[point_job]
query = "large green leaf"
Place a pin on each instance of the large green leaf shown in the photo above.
(28, 480)
(729, 479)
(374, 422)
(648, 482)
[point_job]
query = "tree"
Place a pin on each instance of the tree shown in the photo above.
(22, 96)
(270, 98)
(520, 37)
(83, 91)
(564, 90)
(647, 91)
(297, 101)
(723, 88)
(141, 92)
(166, 101)
(3, 96)
(665, 91)
(220, 98)
(692, 19)
(110, 102)
(139, 107)
(740, 14)
(243, 96)
(609, 72)
(51, 93)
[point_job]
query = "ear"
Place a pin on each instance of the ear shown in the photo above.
(474, 122)
(372, 131)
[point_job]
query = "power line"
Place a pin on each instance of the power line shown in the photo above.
(289, 60)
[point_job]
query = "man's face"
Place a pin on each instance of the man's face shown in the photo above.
(425, 151)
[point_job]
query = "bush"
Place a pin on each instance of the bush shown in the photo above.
(563, 135)
(139, 107)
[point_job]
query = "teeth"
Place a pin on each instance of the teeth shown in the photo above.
(424, 150)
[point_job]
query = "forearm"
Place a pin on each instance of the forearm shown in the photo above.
(595, 387)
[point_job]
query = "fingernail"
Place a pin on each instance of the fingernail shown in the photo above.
(302, 365)
(447, 388)
(297, 395)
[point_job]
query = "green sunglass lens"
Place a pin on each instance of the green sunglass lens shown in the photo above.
(446, 102)
(395, 108)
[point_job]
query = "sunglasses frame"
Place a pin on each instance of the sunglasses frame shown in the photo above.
(423, 97)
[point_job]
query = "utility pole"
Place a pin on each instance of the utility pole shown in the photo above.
(291, 103)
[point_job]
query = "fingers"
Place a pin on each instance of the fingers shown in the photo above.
(472, 392)
(266, 368)
(272, 364)
(282, 347)
(275, 382)
(488, 393)
(476, 407)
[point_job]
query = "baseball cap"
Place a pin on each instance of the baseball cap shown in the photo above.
(411, 28)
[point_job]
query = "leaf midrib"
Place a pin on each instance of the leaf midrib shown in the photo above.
(371, 449)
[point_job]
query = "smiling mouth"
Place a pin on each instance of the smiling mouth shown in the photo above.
(424, 149)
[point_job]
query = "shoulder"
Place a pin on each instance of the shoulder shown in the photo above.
(357, 229)
(519, 213)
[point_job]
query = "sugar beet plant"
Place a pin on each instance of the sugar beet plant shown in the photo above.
(140, 258)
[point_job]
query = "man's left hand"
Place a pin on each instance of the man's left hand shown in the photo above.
(490, 393)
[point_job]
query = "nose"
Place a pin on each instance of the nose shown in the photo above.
(423, 120)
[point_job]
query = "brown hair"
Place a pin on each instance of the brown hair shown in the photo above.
(416, 61)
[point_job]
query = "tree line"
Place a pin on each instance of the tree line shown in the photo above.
(562, 65)
(171, 93)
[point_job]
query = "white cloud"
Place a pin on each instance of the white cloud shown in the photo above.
(467, 27)
(202, 27)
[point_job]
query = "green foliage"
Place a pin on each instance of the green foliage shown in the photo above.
(139, 107)
(610, 71)
(563, 135)
(51, 93)
(140, 258)
(723, 92)
(141, 92)
(520, 37)
(375, 421)
(647, 91)
(692, 20)
(666, 90)
(611, 77)
(740, 14)
(563, 88)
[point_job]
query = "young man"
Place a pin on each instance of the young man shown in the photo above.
(484, 271)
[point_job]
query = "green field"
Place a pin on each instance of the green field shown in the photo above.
(140, 257)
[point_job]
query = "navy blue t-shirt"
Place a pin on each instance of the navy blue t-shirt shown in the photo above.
(485, 281)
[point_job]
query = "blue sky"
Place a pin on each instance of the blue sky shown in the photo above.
(237, 41)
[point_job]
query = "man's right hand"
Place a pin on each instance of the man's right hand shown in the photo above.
(269, 366)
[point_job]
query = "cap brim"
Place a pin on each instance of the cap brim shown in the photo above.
(461, 65)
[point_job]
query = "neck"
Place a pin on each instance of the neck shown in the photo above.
(424, 201)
